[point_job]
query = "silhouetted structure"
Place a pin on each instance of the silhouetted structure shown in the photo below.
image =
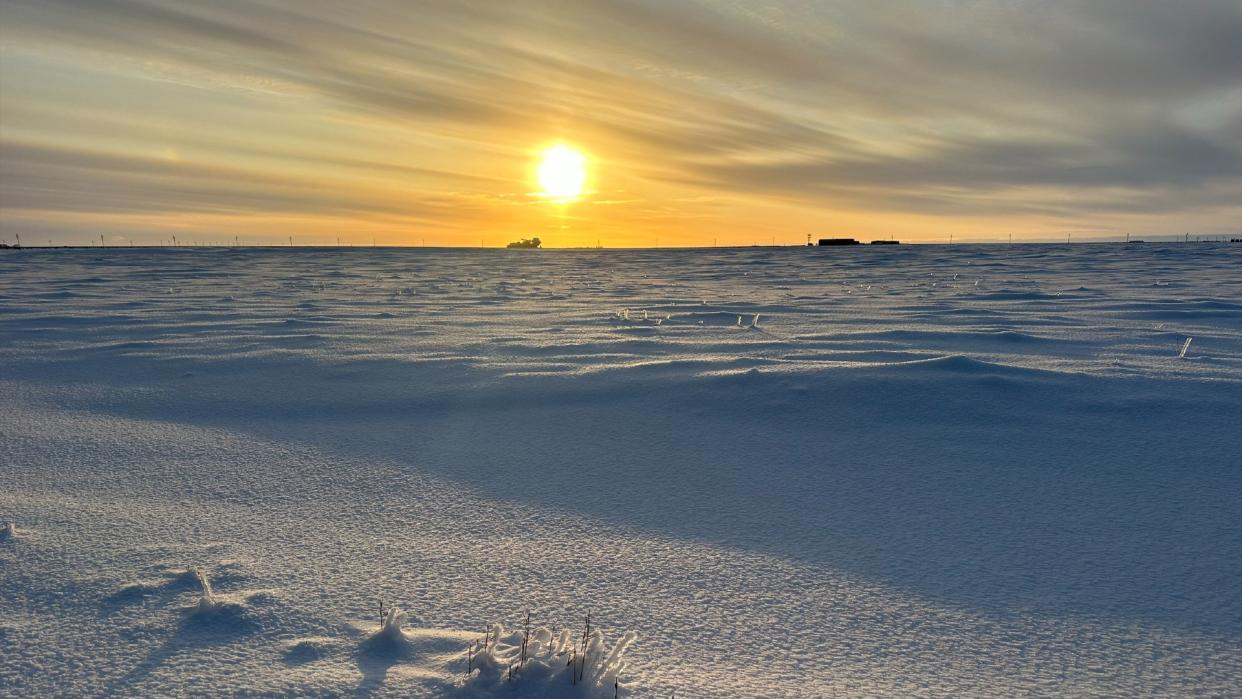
(886, 242)
(838, 241)
(526, 243)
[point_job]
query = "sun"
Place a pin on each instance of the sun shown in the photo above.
(561, 173)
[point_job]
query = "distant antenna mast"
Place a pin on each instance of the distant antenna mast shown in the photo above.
(290, 241)
(101, 240)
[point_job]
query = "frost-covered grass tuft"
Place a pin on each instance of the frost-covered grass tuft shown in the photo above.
(390, 625)
(1185, 346)
(545, 664)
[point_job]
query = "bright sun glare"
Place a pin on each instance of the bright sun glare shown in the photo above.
(562, 173)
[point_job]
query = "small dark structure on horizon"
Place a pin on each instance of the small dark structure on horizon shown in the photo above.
(886, 242)
(838, 241)
(526, 243)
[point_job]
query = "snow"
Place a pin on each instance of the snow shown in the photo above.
(890, 471)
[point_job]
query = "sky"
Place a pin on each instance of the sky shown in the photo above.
(702, 122)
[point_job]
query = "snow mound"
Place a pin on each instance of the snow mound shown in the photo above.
(214, 613)
(307, 650)
(389, 639)
(540, 663)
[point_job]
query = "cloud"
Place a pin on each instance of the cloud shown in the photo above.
(957, 108)
(1155, 155)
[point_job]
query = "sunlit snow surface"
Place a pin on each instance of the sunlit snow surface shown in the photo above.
(977, 470)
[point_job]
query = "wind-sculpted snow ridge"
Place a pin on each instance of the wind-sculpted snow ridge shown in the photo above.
(1113, 311)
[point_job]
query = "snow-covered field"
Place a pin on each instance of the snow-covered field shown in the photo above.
(924, 470)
